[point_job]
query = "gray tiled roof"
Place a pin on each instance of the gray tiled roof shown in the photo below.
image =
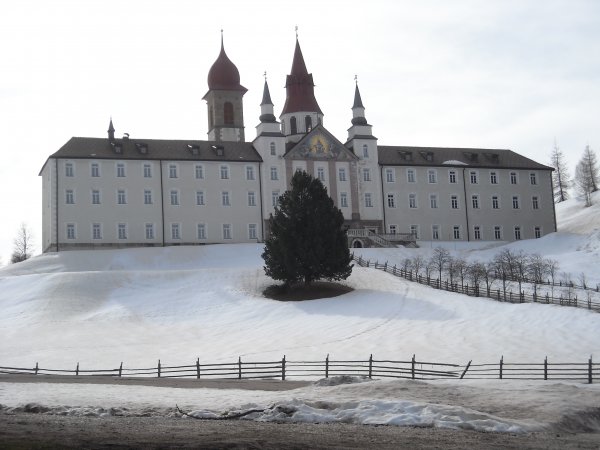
(458, 157)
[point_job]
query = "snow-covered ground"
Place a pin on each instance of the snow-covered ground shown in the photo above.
(102, 307)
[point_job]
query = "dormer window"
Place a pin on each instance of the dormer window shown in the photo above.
(406, 156)
(492, 157)
(117, 147)
(218, 149)
(427, 156)
(471, 156)
(194, 149)
(142, 148)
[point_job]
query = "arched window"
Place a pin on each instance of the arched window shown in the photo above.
(365, 151)
(293, 127)
(273, 148)
(228, 113)
(308, 123)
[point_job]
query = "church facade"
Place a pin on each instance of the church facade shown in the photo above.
(118, 192)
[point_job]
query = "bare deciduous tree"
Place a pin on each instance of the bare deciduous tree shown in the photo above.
(586, 175)
(560, 177)
(439, 260)
(23, 244)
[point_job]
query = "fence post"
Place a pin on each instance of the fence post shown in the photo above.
(546, 368)
(465, 371)
(412, 367)
(36, 368)
(239, 367)
(77, 370)
(121, 369)
(501, 364)
(590, 370)
(198, 368)
(158, 369)
(327, 366)
(385, 267)
(510, 296)
(371, 365)
(283, 369)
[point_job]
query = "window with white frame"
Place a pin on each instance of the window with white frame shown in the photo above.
(273, 149)
(391, 201)
(513, 178)
(477, 232)
(412, 200)
(435, 232)
(174, 197)
(147, 171)
(249, 173)
(537, 232)
(366, 175)
(365, 151)
(495, 202)
(343, 200)
(454, 201)
(393, 229)
(389, 175)
(368, 200)
(251, 198)
(95, 168)
(199, 171)
(96, 231)
(70, 231)
(120, 170)
(69, 171)
(497, 232)
(147, 197)
(225, 198)
(274, 173)
(274, 198)
(199, 198)
(122, 231)
(226, 231)
(517, 233)
(493, 178)
(411, 176)
(533, 178)
(121, 198)
(175, 231)
(535, 202)
(414, 231)
(475, 201)
(224, 172)
(433, 201)
(69, 197)
(473, 177)
(456, 231)
(251, 231)
(432, 176)
(452, 176)
(515, 202)
(172, 171)
(149, 229)
(201, 231)
(342, 174)
(95, 197)
(321, 173)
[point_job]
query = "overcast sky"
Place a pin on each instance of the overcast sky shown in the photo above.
(487, 74)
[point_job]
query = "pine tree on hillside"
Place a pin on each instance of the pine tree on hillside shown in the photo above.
(560, 177)
(307, 240)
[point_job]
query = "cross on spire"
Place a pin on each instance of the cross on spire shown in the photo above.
(296, 31)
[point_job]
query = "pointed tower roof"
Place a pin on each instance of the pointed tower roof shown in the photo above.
(266, 99)
(224, 75)
(111, 129)
(299, 87)
(358, 110)
(357, 100)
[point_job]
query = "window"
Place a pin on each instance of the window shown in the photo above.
(389, 175)
(175, 234)
(411, 176)
(95, 197)
(435, 232)
(95, 170)
(251, 198)
(497, 233)
(120, 170)
(495, 202)
(321, 173)
(96, 231)
(225, 198)
(535, 202)
(69, 197)
(365, 151)
(308, 123)
(70, 231)
(493, 178)
(149, 231)
(69, 170)
(147, 197)
(433, 201)
(368, 200)
(456, 231)
(533, 178)
(414, 231)
(412, 200)
(199, 198)
(199, 169)
(473, 177)
(174, 198)
(226, 231)
(517, 233)
(228, 113)
(122, 231)
(475, 201)
(454, 201)
(513, 178)
(172, 171)
(366, 174)
(477, 232)
(274, 198)
(201, 231)
(393, 229)
(274, 173)
(390, 201)
(342, 174)
(147, 171)
(432, 176)
(293, 126)
(249, 173)
(121, 199)
(224, 172)
(537, 231)
(452, 176)
(515, 202)
(344, 200)
(251, 231)
(273, 150)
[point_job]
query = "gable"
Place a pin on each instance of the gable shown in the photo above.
(320, 144)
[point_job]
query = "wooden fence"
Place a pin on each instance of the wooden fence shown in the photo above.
(283, 369)
(477, 291)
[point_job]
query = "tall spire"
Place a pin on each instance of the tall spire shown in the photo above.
(358, 110)
(266, 106)
(111, 131)
(300, 87)
(357, 100)
(266, 98)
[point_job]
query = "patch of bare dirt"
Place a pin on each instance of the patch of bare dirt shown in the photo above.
(300, 292)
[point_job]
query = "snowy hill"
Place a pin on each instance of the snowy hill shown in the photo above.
(178, 303)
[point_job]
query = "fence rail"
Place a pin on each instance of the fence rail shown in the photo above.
(585, 372)
(478, 291)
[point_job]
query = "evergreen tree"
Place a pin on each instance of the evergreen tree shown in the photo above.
(307, 240)
(560, 177)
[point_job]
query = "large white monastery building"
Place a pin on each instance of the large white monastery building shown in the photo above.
(116, 192)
